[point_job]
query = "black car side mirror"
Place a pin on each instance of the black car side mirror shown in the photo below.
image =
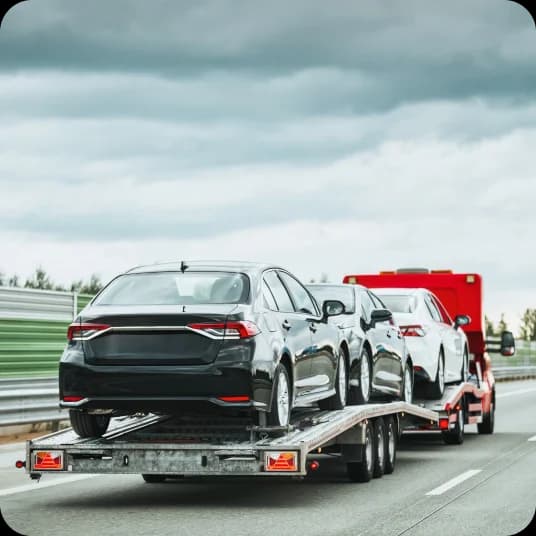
(380, 315)
(461, 320)
(508, 343)
(332, 308)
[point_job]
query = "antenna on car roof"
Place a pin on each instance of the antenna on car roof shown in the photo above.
(183, 266)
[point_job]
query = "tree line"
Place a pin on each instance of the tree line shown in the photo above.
(42, 281)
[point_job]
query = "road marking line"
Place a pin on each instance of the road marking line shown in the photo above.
(513, 393)
(35, 485)
(533, 438)
(454, 482)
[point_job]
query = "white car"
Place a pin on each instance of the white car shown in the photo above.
(437, 344)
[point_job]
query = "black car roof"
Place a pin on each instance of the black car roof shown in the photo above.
(235, 266)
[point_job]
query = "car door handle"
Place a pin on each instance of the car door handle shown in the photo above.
(313, 328)
(389, 333)
(286, 324)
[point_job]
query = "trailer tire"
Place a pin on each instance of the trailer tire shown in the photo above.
(437, 387)
(379, 440)
(357, 395)
(338, 400)
(281, 382)
(88, 425)
(154, 479)
(363, 471)
(391, 440)
(456, 436)
(488, 419)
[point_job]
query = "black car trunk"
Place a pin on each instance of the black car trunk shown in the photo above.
(153, 335)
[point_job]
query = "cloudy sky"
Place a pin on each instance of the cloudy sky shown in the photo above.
(337, 137)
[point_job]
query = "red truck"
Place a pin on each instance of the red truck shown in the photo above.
(460, 293)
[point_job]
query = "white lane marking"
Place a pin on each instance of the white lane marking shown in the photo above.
(513, 393)
(35, 485)
(454, 482)
(533, 438)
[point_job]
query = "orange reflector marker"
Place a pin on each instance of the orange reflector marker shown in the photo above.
(281, 461)
(50, 460)
(443, 424)
(469, 278)
(352, 280)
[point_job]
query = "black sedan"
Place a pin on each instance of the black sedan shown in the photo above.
(170, 337)
(378, 360)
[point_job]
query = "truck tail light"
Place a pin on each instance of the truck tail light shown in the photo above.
(415, 330)
(49, 460)
(281, 461)
(243, 329)
(82, 332)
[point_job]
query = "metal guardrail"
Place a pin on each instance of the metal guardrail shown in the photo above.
(35, 400)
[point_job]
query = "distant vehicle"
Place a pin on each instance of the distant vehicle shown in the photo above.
(170, 337)
(437, 344)
(373, 345)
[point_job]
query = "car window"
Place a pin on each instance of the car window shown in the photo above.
(321, 293)
(376, 301)
(400, 303)
(442, 311)
(432, 308)
(366, 304)
(269, 300)
(279, 292)
(300, 296)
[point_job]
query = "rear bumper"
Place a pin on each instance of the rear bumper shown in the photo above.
(162, 388)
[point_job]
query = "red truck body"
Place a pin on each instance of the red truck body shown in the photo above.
(460, 293)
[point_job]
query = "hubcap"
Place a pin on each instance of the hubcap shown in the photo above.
(408, 388)
(283, 402)
(441, 374)
(365, 377)
(381, 448)
(368, 448)
(342, 380)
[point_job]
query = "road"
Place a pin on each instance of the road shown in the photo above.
(487, 485)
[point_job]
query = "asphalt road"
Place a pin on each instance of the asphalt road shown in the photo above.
(485, 486)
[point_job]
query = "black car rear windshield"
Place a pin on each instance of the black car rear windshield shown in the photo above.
(398, 303)
(176, 288)
(322, 293)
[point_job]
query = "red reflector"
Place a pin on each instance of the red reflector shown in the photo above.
(314, 465)
(443, 424)
(72, 398)
(49, 460)
(19, 464)
(281, 461)
(236, 398)
(417, 368)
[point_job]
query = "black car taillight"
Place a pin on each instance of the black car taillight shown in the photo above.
(81, 332)
(243, 329)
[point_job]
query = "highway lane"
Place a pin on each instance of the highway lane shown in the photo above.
(488, 484)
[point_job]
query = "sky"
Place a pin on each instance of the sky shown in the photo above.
(327, 137)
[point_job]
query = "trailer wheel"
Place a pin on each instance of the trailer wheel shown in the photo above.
(363, 471)
(488, 419)
(360, 394)
(154, 479)
(379, 458)
(88, 425)
(391, 436)
(456, 435)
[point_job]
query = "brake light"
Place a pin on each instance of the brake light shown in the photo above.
(281, 461)
(443, 423)
(415, 330)
(234, 398)
(243, 329)
(82, 332)
(50, 460)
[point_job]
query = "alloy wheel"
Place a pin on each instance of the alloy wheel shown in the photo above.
(342, 380)
(365, 377)
(283, 402)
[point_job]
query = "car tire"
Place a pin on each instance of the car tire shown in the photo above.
(407, 384)
(391, 440)
(363, 471)
(338, 400)
(88, 425)
(154, 479)
(281, 398)
(437, 387)
(379, 458)
(360, 394)
(487, 425)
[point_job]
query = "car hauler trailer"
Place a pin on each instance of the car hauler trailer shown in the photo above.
(158, 447)
(460, 294)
